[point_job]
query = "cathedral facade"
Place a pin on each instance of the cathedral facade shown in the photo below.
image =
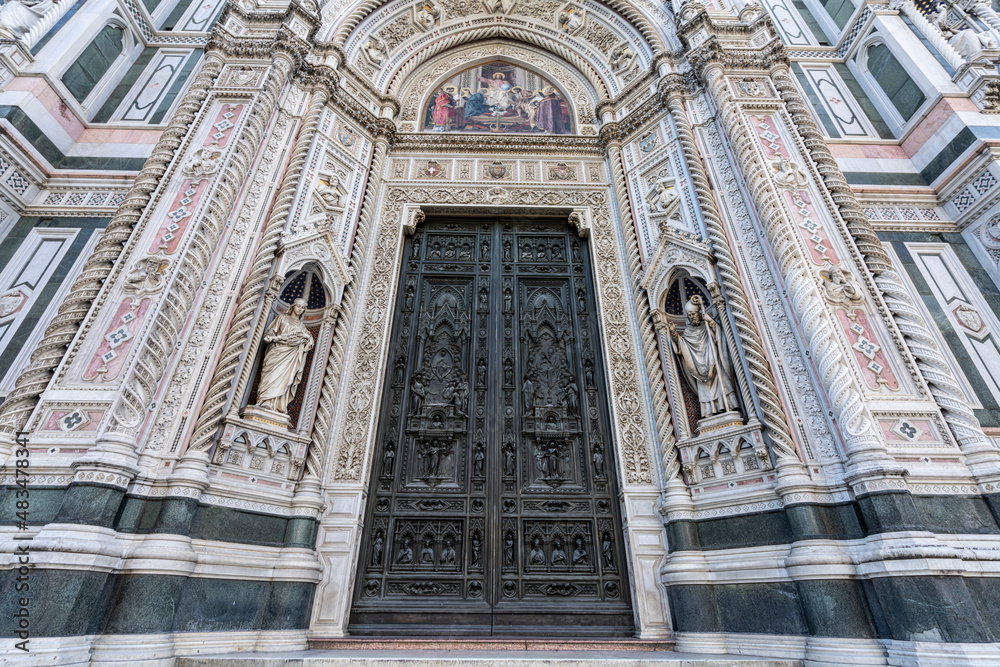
(510, 318)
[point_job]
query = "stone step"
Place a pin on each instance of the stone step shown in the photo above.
(402, 657)
(490, 644)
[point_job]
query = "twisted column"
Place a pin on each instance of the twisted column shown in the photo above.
(325, 410)
(982, 457)
(867, 456)
(250, 302)
(985, 11)
(771, 410)
(137, 392)
(650, 350)
(115, 241)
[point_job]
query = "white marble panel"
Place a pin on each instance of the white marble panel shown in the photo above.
(975, 324)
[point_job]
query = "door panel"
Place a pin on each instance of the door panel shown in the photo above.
(492, 509)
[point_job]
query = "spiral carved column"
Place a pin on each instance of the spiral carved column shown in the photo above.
(867, 456)
(250, 303)
(650, 350)
(772, 412)
(115, 241)
(325, 411)
(982, 458)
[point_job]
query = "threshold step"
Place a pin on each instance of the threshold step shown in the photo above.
(489, 644)
(478, 658)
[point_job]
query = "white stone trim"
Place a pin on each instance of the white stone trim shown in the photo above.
(29, 345)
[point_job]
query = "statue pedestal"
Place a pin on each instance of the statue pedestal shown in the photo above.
(721, 420)
(267, 416)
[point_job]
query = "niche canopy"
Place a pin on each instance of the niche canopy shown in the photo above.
(498, 98)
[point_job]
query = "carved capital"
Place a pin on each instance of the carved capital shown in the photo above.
(580, 218)
(661, 321)
(991, 98)
(765, 458)
(274, 286)
(412, 216)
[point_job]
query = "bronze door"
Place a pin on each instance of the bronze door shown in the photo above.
(492, 500)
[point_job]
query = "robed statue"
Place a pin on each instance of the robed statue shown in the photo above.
(703, 359)
(288, 343)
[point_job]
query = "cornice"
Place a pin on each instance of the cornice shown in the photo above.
(501, 143)
(264, 17)
(348, 70)
(608, 104)
(312, 74)
(621, 131)
(735, 45)
(258, 48)
(758, 59)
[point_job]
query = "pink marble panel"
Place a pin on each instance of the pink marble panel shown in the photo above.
(867, 352)
(117, 341)
(178, 217)
(811, 230)
(52, 423)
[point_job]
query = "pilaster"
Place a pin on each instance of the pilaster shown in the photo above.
(846, 326)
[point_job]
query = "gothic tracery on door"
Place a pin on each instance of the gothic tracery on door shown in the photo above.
(492, 501)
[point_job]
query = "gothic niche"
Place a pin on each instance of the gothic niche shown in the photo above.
(285, 356)
(698, 349)
(438, 410)
(550, 394)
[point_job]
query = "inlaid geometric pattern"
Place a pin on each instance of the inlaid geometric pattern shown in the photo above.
(985, 181)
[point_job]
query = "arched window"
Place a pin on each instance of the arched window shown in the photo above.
(899, 87)
(83, 75)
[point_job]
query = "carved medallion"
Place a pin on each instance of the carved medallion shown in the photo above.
(971, 321)
(432, 169)
(496, 169)
(648, 142)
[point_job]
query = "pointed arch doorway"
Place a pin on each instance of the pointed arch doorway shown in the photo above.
(493, 500)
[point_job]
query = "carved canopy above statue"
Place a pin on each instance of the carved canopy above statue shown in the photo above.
(497, 97)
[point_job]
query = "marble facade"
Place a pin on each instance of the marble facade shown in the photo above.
(233, 161)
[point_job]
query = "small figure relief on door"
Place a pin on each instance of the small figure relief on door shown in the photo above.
(439, 391)
(550, 393)
(451, 247)
(427, 546)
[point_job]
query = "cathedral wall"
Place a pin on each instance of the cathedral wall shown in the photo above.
(832, 212)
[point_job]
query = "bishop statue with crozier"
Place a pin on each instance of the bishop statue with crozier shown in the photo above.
(703, 360)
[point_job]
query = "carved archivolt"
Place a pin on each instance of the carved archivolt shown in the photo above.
(341, 18)
(386, 47)
(419, 84)
(356, 422)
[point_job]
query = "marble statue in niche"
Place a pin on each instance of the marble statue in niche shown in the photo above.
(288, 343)
(498, 97)
(703, 359)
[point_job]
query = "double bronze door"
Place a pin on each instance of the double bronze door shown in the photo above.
(492, 506)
